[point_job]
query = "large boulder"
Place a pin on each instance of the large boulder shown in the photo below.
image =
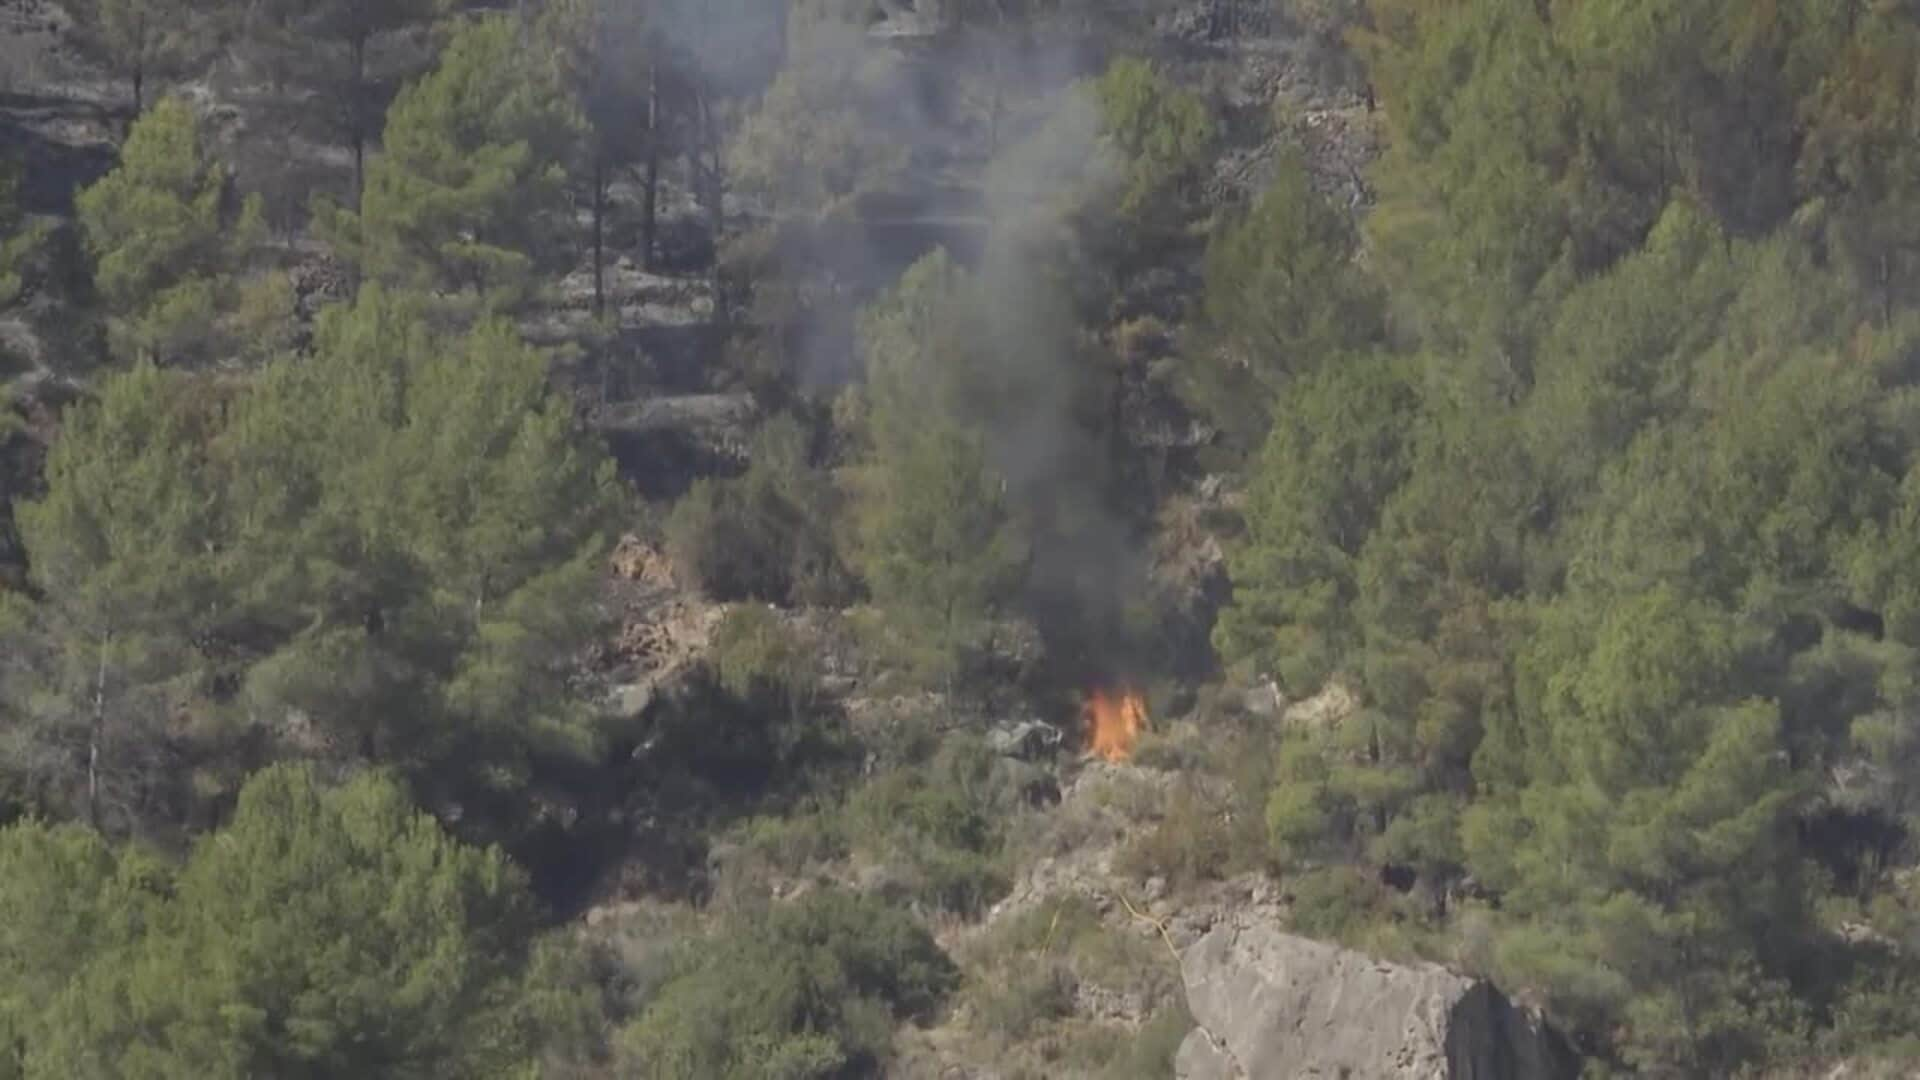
(1270, 1005)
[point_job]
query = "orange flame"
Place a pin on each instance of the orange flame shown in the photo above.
(1114, 719)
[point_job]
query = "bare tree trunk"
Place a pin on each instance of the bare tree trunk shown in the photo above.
(994, 106)
(599, 236)
(357, 119)
(714, 190)
(139, 72)
(1886, 289)
(650, 197)
(96, 735)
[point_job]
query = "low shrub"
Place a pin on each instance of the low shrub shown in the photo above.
(1150, 1055)
(1191, 843)
(1020, 1000)
(1025, 974)
(760, 660)
(763, 851)
(941, 826)
(812, 988)
(765, 535)
(1333, 902)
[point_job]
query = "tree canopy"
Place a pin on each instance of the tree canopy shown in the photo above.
(168, 237)
(470, 185)
(376, 551)
(323, 930)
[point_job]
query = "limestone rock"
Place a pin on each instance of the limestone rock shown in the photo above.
(1264, 698)
(1271, 1006)
(1324, 711)
(1027, 740)
(634, 559)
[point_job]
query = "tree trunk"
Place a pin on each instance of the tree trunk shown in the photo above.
(650, 197)
(139, 72)
(993, 111)
(1886, 290)
(96, 735)
(714, 190)
(358, 119)
(599, 236)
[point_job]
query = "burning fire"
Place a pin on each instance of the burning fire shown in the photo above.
(1114, 719)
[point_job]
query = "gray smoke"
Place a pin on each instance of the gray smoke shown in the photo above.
(1002, 156)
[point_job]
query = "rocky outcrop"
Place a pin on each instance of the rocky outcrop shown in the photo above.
(1272, 1006)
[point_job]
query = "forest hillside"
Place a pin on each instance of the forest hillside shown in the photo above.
(837, 538)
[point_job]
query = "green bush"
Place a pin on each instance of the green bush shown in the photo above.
(808, 989)
(1191, 843)
(1334, 902)
(765, 851)
(765, 535)
(1150, 1055)
(1024, 974)
(941, 826)
(1019, 976)
(1167, 753)
(759, 659)
(1022, 999)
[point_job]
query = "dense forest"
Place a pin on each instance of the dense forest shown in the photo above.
(588, 538)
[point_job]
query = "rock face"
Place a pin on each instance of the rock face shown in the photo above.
(1271, 1006)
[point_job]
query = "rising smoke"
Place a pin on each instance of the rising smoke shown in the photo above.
(889, 144)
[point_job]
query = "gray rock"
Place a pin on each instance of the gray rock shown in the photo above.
(1026, 740)
(1270, 1005)
(1324, 711)
(1265, 700)
(629, 701)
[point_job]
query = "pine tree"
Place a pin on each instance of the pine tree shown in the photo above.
(469, 191)
(1337, 452)
(379, 551)
(119, 548)
(1162, 131)
(1859, 159)
(939, 543)
(614, 60)
(1282, 298)
(20, 235)
(66, 898)
(167, 240)
(138, 40)
(805, 151)
(939, 546)
(323, 931)
(326, 49)
(417, 522)
(1652, 790)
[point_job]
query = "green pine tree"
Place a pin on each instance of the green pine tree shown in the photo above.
(328, 48)
(468, 194)
(119, 548)
(139, 40)
(379, 551)
(417, 525)
(1282, 299)
(939, 543)
(1162, 132)
(1338, 450)
(167, 240)
(20, 235)
(323, 931)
